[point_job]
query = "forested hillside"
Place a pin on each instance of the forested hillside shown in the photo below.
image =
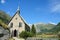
(48, 28)
(44, 27)
(4, 18)
(56, 29)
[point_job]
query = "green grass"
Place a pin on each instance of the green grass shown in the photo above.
(47, 36)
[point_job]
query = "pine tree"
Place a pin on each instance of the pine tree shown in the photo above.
(33, 30)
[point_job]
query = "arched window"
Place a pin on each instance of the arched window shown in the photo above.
(11, 25)
(20, 24)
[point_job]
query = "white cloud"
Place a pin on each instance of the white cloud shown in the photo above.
(56, 8)
(54, 5)
(52, 23)
(53, 2)
(2, 1)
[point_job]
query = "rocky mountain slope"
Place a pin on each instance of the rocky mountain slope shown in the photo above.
(42, 27)
(4, 20)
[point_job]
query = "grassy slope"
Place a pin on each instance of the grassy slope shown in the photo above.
(4, 18)
(44, 27)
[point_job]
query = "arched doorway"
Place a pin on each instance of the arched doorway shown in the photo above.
(15, 33)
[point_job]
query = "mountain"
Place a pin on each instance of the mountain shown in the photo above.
(4, 18)
(56, 28)
(42, 27)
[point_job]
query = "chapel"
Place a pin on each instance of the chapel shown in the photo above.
(17, 24)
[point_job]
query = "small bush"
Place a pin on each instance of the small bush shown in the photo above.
(25, 34)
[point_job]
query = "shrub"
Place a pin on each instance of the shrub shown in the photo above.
(25, 34)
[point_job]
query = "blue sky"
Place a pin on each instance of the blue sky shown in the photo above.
(34, 11)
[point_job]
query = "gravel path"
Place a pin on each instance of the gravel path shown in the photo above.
(17, 38)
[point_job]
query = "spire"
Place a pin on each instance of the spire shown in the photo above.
(18, 8)
(18, 5)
